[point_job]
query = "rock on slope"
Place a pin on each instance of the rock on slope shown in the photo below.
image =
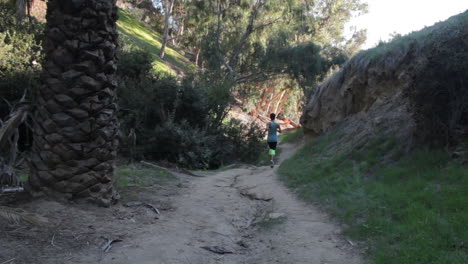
(371, 94)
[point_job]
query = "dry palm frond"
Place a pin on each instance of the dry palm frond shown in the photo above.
(15, 216)
(9, 126)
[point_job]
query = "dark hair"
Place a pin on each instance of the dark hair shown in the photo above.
(272, 116)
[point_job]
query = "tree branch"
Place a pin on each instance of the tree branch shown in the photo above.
(248, 31)
(267, 24)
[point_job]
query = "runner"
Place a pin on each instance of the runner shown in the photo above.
(272, 139)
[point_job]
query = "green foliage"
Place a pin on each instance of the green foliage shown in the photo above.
(134, 62)
(20, 56)
(303, 62)
(138, 175)
(440, 95)
(252, 38)
(293, 137)
(247, 140)
(180, 121)
(136, 34)
(411, 211)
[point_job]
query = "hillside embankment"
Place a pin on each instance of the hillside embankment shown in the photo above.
(136, 35)
(388, 154)
(403, 88)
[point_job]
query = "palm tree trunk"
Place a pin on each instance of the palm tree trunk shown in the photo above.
(75, 125)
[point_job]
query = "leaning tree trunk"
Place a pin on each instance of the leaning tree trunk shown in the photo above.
(169, 5)
(21, 6)
(75, 121)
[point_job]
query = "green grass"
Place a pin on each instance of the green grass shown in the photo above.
(137, 34)
(137, 175)
(266, 223)
(292, 137)
(23, 175)
(413, 211)
(391, 52)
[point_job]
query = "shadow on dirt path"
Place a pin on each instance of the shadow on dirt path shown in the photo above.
(246, 211)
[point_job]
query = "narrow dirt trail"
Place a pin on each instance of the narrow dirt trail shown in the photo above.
(231, 209)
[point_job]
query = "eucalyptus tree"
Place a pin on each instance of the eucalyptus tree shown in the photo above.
(167, 7)
(75, 124)
(245, 38)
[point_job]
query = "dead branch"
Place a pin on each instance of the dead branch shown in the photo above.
(138, 203)
(168, 170)
(350, 242)
(218, 250)
(109, 243)
(15, 216)
(11, 190)
(8, 261)
(267, 24)
(52, 242)
(9, 127)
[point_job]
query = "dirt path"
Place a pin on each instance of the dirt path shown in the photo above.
(232, 209)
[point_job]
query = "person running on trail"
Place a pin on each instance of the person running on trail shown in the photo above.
(272, 129)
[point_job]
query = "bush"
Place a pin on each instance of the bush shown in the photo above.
(440, 96)
(179, 121)
(247, 140)
(181, 143)
(133, 62)
(20, 56)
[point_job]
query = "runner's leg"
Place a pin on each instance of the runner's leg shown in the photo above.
(272, 152)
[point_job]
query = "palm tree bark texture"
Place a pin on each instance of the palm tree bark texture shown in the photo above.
(75, 124)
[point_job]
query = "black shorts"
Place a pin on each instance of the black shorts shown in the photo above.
(272, 145)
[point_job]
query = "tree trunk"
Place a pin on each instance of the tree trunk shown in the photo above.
(75, 124)
(197, 56)
(21, 6)
(248, 31)
(169, 4)
(279, 101)
(284, 100)
(180, 32)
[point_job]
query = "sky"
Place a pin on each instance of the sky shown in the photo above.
(403, 16)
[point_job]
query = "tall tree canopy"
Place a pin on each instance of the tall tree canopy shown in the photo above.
(251, 41)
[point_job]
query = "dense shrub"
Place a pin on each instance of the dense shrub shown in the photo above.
(20, 56)
(134, 62)
(440, 95)
(20, 63)
(177, 120)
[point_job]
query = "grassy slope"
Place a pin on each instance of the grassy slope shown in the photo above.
(413, 211)
(134, 32)
(387, 54)
(292, 137)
